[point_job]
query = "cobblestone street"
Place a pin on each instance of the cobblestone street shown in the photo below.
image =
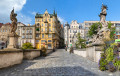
(59, 63)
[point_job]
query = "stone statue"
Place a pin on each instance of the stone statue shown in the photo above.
(13, 37)
(104, 33)
(14, 21)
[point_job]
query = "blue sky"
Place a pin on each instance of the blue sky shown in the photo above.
(68, 10)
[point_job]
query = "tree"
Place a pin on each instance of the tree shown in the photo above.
(112, 30)
(93, 29)
(27, 45)
(80, 42)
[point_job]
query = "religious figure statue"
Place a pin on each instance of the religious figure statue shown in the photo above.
(14, 21)
(104, 33)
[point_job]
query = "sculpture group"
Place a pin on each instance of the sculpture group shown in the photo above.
(103, 33)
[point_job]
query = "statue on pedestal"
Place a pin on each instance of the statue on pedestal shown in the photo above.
(13, 37)
(104, 33)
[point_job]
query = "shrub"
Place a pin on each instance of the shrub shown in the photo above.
(102, 62)
(44, 50)
(27, 46)
(116, 62)
(111, 67)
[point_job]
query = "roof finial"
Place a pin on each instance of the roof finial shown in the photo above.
(54, 12)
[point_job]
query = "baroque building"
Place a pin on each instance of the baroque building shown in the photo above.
(4, 31)
(47, 30)
(27, 35)
(70, 35)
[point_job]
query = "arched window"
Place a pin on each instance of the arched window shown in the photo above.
(38, 24)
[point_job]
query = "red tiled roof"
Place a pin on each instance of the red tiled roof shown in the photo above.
(1, 25)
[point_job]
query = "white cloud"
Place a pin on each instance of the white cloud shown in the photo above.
(7, 5)
(24, 19)
(33, 13)
(61, 19)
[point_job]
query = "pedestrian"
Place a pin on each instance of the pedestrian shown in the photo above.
(54, 49)
(66, 48)
(71, 49)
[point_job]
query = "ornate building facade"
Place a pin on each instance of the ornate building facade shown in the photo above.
(70, 35)
(47, 30)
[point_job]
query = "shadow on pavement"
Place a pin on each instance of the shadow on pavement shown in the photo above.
(60, 71)
(16, 68)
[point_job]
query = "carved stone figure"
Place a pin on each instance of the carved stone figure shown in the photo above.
(14, 21)
(13, 37)
(104, 33)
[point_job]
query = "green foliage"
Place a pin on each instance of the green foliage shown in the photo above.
(27, 45)
(112, 30)
(37, 29)
(110, 52)
(80, 42)
(93, 29)
(102, 62)
(116, 62)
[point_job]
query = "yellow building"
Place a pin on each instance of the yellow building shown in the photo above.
(47, 30)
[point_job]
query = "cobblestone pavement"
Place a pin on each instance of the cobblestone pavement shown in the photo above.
(59, 63)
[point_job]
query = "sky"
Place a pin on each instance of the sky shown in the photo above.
(67, 10)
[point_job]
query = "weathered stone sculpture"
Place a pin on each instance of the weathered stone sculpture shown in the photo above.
(14, 21)
(13, 37)
(104, 33)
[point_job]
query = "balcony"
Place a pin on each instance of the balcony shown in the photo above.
(37, 31)
(47, 31)
(37, 37)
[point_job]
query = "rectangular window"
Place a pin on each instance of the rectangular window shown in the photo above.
(37, 40)
(37, 35)
(42, 41)
(23, 37)
(42, 35)
(42, 29)
(45, 29)
(49, 24)
(49, 41)
(49, 30)
(49, 35)
(46, 24)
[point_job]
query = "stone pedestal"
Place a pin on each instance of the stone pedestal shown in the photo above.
(13, 41)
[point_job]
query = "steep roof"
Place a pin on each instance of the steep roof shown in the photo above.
(41, 15)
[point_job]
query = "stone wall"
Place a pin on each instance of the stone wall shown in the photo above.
(92, 53)
(31, 54)
(9, 58)
(80, 52)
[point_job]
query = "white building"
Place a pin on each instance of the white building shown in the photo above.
(66, 34)
(70, 32)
